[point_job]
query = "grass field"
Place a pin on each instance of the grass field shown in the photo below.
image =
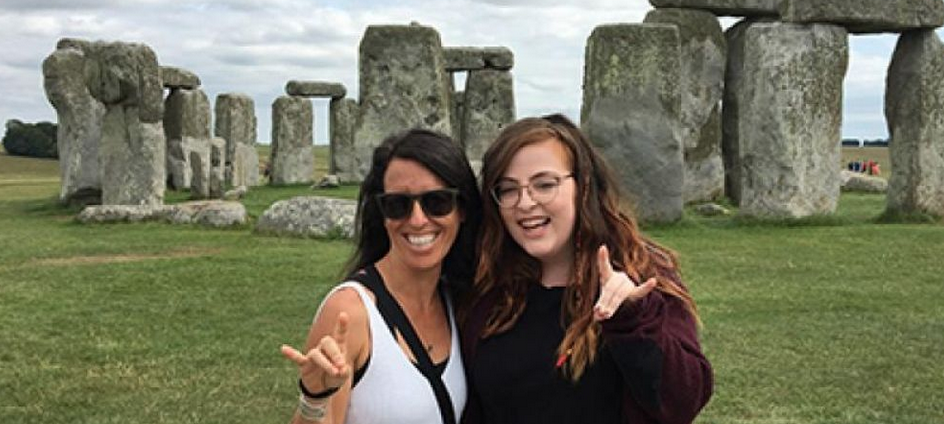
(837, 320)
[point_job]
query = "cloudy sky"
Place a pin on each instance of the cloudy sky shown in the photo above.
(256, 46)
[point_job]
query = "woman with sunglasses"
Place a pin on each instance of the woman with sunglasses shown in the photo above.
(383, 347)
(560, 331)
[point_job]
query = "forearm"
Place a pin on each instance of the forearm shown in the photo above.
(655, 346)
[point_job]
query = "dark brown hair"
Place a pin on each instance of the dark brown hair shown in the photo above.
(504, 267)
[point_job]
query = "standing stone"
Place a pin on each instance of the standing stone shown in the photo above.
(489, 105)
(631, 106)
(292, 160)
(914, 111)
(343, 113)
(458, 112)
(866, 16)
(704, 53)
(186, 116)
(726, 7)
(403, 84)
(236, 123)
(789, 116)
(200, 170)
(731, 110)
(243, 168)
(126, 78)
(80, 125)
(217, 167)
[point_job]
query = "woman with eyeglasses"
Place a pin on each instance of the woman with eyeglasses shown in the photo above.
(577, 317)
(383, 347)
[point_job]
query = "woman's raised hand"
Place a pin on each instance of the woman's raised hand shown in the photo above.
(616, 287)
(325, 366)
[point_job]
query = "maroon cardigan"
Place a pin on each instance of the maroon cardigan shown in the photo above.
(654, 343)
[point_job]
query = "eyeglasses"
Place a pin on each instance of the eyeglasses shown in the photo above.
(435, 203)
(542, 189)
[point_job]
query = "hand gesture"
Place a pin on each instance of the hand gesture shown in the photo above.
(325, 366)
(616, 287)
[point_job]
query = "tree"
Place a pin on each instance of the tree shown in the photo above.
(33, 140)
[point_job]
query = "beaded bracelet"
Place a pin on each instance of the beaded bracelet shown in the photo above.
(312, 410)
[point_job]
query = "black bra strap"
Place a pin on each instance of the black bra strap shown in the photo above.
(396, 320)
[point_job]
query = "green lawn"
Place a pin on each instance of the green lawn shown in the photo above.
(836, 320)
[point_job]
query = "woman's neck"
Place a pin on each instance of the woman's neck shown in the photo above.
(412, 288)
(559, 270)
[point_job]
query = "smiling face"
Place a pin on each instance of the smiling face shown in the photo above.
(543, 230)
(418, 241)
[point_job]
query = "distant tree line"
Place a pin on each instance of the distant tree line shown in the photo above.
(34, 140)
(855, 142)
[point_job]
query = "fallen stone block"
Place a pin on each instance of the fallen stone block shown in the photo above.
(309, 216)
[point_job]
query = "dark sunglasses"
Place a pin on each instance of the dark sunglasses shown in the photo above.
(435, 203)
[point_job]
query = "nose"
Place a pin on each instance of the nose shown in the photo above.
(418, 216)
(524, 198)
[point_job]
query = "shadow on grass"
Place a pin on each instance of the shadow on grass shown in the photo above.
(900, 217)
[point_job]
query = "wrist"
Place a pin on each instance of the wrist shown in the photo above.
(324, 394)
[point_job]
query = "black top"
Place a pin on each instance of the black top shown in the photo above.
(515, 377)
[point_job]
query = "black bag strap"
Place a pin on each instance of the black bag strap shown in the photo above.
(396, 319)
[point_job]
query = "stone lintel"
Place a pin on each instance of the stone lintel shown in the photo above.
(174, 77)
(299, 88)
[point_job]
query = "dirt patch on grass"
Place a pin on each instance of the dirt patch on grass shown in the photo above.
(189, 252)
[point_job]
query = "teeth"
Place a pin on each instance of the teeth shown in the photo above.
(421, 240)
(534, 222)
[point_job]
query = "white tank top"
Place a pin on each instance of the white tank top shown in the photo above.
(392, 389)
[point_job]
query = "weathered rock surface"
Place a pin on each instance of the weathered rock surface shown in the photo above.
(475, 58)
(458, 111)
(243, 167)
(457, 59)
(200, 171)
(788, 87)
(236, 193)
(179, 170)
(292, 160)
(186, 126)
(126, 78)
(236, 123)
(174, 77)
(217, 167)
(914, 111)
(187, 114)
(489, 105)
(866, 16)
(731, 109)
(403, 84)
(631, 107)
(711, 209)
(207, 213)
(343, 115)
(328, 181)
(703, 60)
(80, 123)
(309, 216)
(859, 182)
(498, 57)
(725, 7)
(333, 90)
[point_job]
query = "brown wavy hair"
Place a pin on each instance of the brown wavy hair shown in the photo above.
(504, 267)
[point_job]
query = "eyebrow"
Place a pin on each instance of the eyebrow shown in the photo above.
(547, 173)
